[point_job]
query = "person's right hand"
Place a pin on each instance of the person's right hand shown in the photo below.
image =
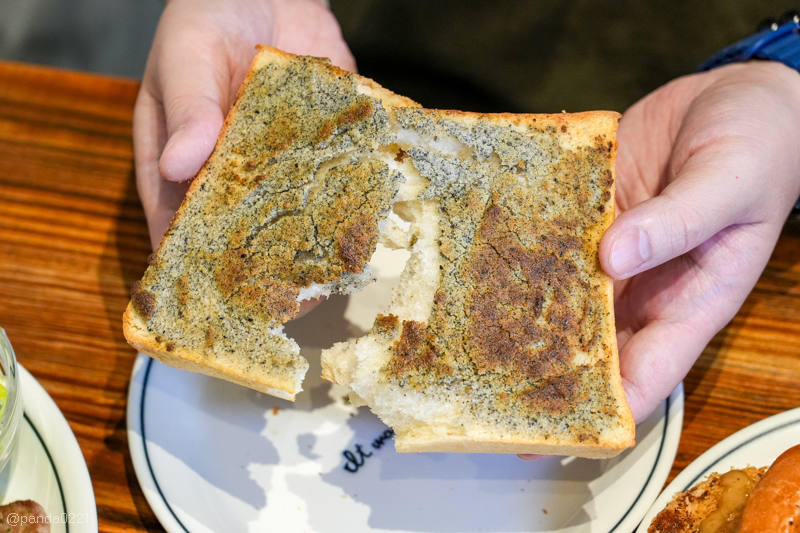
(199, 58)
(708, 170)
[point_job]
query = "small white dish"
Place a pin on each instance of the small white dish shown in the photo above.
(756, 445)
(47, 465)
(213, 456)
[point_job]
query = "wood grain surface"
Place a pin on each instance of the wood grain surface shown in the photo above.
(73, 239)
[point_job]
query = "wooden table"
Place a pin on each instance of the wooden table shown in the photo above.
(73, 239)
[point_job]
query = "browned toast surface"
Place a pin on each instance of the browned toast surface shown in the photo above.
(514, 349)
(283, 204)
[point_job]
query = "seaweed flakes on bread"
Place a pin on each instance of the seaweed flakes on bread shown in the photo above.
(286, 208)
(500, 336)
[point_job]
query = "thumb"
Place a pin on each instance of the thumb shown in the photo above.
(194, 105)
(193, 131)
(716, 187)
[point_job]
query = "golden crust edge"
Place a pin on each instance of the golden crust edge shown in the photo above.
(607, 290)
(583, 126)
(137, 336)
(459, 444)
(267, 54)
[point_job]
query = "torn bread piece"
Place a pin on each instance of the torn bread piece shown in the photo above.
(500, 336)
(285, 209)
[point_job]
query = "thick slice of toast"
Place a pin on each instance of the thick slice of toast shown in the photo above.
(286, 208)
(500, 336)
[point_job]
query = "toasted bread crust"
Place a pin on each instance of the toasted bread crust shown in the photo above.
(281, 205)
(524, 311)
(134, 328)
(469, 444)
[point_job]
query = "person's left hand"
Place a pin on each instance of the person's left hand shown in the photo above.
(200, 55)
(708, 169)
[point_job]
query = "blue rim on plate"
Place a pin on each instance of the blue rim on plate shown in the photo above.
(137, 409)
(652, 468)
(72, 490)
(767, 431)
(52, 464)
(147, 454)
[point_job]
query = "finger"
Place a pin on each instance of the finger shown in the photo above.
(160, 198)
(656, 359)
(194, 100)
(682, 309)
(683, 304)
(309, 28)
(717, 186)
(192, 140)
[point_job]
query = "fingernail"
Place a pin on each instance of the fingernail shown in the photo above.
(167, 168)
(175, 136)
(631, 250)
(534, 457)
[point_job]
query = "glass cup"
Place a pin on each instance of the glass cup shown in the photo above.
(10, 403)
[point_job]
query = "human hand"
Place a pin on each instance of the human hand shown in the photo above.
(707, 171)
(199, 58)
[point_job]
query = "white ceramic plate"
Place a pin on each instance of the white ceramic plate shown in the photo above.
(213, 456)
(47, 465)
(756, 445)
